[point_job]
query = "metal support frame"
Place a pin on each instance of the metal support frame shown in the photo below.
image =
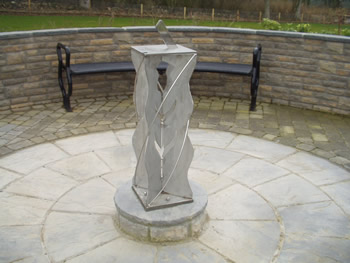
(64, 67)
(254, 85)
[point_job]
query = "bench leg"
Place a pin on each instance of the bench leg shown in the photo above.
(252, 104)
(66, 104)
(65, 96)
(253, 95)
(253, 92)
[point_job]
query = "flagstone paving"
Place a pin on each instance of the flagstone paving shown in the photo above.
(267, 202)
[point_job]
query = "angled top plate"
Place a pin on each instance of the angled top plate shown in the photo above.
(164, 34)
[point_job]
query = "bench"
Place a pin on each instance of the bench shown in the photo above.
(252, 70)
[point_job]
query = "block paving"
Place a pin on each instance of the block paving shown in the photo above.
(322, 134)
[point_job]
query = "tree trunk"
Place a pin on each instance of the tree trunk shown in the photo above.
(298, 9)
(267, 9)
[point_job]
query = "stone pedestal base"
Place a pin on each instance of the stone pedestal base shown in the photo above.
(167, 224)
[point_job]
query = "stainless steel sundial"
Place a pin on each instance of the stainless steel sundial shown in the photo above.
(161, 143)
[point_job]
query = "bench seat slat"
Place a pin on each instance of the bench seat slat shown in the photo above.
(91, 68)
(240, 69)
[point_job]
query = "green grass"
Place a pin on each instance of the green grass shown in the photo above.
(20, 23)
(23, 23)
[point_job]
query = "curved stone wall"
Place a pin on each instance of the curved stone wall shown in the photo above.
(302, 70)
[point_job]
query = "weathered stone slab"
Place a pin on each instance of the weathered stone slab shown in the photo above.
(322, 219)
(266, 150)
(42, 183)
(125, 136)
(252, 171)
(189, 252)
(28, 160)
(21, 210)
(315, 249)
(81, 167)
(87, 143)
(315, 232)
(118, 158)
(120, 177)
(243, 242)
(210, 181)
(210, 138)
(290, 190)
(67, 235)
(314, 169)
(94, 196)
(120, 250)
(340, 193)
(7, 177)
(18, 242)
(238, 203)
(214, 159)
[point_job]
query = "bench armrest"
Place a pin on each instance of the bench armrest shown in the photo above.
(257, 56)
(256, 63)
(64, 67)
(59, 55)
(254, 85)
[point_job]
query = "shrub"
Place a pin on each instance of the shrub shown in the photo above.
(303, 28)
(346, 32)
(290, 27)
(271, 24)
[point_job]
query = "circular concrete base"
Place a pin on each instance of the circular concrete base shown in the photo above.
(166, 224)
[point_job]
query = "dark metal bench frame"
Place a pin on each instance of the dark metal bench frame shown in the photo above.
(252, 70)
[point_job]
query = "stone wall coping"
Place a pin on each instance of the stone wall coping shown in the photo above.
(52, 32)
(63, 31)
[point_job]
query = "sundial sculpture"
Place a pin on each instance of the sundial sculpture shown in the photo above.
(161, 144)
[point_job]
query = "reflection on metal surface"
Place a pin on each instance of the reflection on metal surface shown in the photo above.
(164, 34)
(163, 150)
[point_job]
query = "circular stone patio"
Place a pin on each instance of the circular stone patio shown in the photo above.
(267, 203)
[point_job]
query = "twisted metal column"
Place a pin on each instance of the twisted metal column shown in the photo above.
(162, 147)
